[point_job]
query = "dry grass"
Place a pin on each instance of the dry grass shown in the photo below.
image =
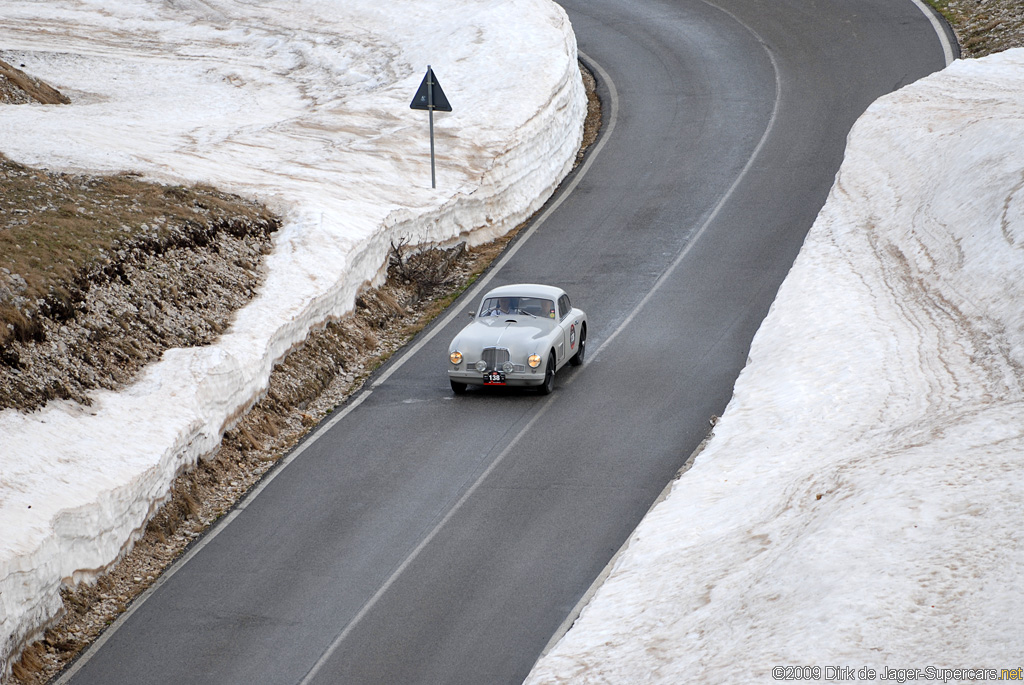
(18, 327)
(99, 275)
(592, 124)
(59, 231)
(54, 223)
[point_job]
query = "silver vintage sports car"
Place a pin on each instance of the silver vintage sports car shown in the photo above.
(521, 335)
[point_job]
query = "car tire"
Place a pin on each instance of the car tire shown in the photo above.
(581, 350)
(549, 378)
(458, 388)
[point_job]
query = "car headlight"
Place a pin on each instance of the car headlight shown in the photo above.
(534, 361)
(508, 367)
(481, 365)
(456, 357)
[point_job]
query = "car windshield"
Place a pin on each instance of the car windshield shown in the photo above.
(518, 306)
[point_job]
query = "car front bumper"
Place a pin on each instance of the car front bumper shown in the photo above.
(514, 379)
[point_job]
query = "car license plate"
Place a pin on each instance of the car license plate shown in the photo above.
(494, 378)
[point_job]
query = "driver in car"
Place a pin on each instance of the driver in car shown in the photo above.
(503, 308)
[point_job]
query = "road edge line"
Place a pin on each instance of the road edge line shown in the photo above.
(936, 20)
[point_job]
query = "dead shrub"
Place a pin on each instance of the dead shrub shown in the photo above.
(368, 342)
(427, 269)
(389, 303)
(14, 325)
(247, 440)
(30, 662)
(270, 424)
(192, 506)
(61, 644)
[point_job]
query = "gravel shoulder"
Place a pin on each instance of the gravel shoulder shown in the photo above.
(96, 324)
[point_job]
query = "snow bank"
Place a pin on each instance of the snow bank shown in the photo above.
(860, 502)
(303, 105)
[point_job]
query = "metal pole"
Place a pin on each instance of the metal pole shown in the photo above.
(430, 109)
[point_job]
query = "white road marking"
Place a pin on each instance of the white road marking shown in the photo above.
(721, 203)
(947, 49)
(372, 602)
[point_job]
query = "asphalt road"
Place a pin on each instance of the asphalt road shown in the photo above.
(428, 538)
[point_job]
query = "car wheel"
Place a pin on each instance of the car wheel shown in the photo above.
(458, 388)
(581, 350)
(549, 378)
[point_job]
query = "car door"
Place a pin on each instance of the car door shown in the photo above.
(570, 330)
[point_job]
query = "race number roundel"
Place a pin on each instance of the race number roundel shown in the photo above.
(572, 336)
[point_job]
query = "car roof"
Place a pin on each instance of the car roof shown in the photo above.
(549, 292)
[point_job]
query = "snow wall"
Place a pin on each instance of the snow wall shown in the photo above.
(303, 105)
(859, 504)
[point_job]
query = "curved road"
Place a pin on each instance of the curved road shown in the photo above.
(421, 537)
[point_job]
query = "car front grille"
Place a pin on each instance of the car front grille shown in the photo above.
(494, 357)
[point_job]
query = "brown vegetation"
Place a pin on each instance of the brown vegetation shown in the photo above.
(99, 275)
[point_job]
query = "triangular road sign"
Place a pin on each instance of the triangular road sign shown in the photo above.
(430, 96)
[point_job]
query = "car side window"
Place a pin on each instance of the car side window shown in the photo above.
(564, 307)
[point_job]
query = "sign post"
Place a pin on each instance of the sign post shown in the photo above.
(429, 96)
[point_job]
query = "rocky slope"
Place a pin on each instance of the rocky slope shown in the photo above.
(173, 280)
(984, 26)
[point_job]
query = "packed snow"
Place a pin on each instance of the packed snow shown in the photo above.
(303, 105)
(859, 505)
